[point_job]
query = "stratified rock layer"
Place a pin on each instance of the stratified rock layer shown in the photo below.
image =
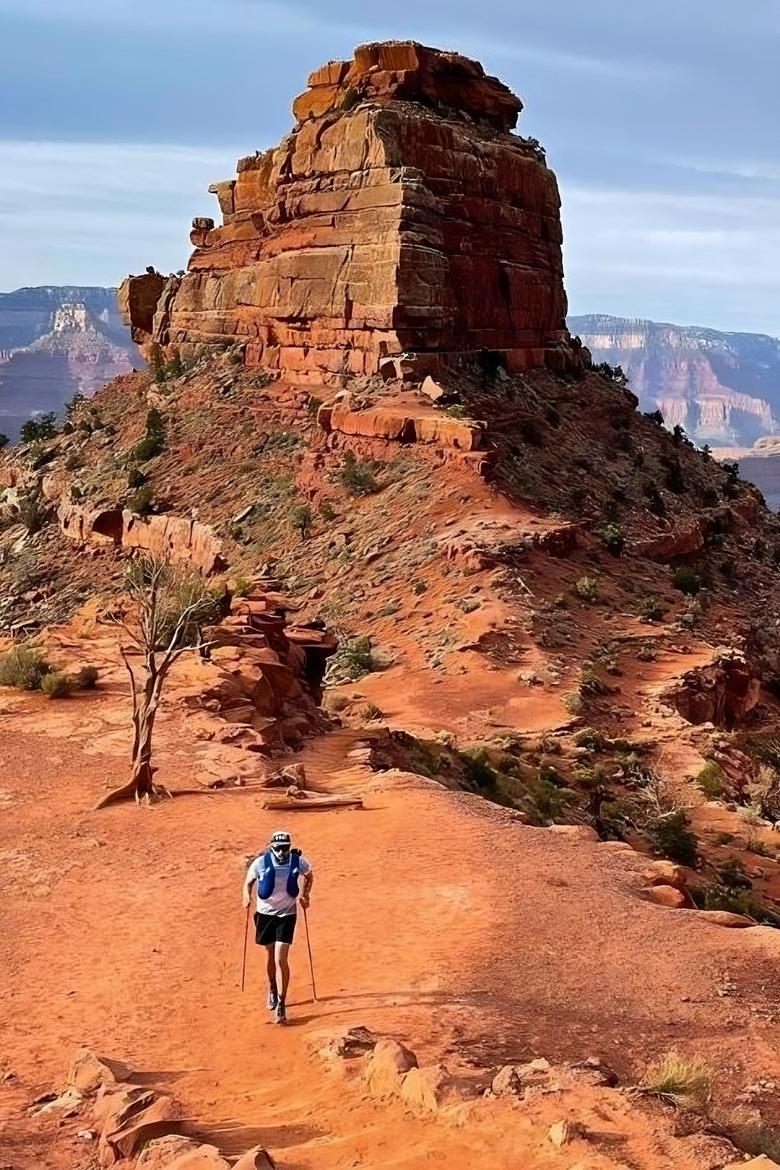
(399, 216)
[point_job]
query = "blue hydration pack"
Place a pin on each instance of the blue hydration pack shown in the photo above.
(265, 887)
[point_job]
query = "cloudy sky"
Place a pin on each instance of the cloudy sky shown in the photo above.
(658, 116)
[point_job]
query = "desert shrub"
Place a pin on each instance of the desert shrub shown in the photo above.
(140, 501)
(592, 682)
(23, 668)
(136, 478)
(3, 441)
(327, 511)
(750, 1133)
(611, 536)
(655, 416)
(146, 449)
(614, 373)
(357, 475)
(672, 838)
(57, 684)
(357, 654)
(37, 429)
(477, 769)
(32, 513)
(678, 434)
(456, 410)
(549, 795)
(685, 1081)
(687, 580)
(242, 587)
(719, 896)
(87, 678)
(469, 604)
(650, 609)
(371, 712)
(654, 499)
(673, 479)
(590, 738)
(530, 431)
(389, 608)
(587, 588)
(301, 519)
(710, 780)
(573, 702)
(647, 653)
(419, 587)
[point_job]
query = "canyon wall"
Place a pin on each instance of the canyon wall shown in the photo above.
(400, 216)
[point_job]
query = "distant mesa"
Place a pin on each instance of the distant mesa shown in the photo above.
(399, 217)
(723, 388)
(56, 342)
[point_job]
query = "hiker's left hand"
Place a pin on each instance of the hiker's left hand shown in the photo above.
(304, 902)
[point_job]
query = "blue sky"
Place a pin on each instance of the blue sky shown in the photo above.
(658, 117)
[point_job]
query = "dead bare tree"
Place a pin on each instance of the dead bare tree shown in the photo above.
(169, 607)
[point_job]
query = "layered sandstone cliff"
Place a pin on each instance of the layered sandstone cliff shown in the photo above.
(723, 388)
(401, 215)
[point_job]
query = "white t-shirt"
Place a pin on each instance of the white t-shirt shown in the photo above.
(280, 902)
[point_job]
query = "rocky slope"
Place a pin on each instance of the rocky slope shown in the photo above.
(550, 630)
(54, 343)
(723, 388)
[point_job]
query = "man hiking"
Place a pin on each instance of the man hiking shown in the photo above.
(276, 872)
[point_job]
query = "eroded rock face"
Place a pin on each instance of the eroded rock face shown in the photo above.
(399, 217)
(723, 692)
(172, 538)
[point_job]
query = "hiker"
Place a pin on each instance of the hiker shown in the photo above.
(276, 872)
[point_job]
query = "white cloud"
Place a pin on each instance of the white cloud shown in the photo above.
(90, 212)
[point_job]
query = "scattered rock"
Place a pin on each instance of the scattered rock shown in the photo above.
(255, 1159)
(131, 1118)
(426, 1090)
(295, 774)
(358, 1041)
(564, 1132)
(665, 873)
(69, 1103)
(386, 1066)
(666, 896)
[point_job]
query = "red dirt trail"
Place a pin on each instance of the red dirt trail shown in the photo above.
(436, 919)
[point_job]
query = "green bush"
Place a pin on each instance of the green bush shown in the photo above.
(357, 475)
(371, 712)
(419, 587)
(301, 519)
(687, 580)
(57, 684)
(32, 513)
(687, 1081)
(358, 655)
(87, 678)
(587, 588)
(327, 511)
(673, 838)
(23, 668)
(710, 780)
(612, 538)
(590, 738)
(650, 609)
(573, 702)
(141, 501)
(36, 429)
(656, 417)
(147, 448)
(136, 478)
(243, 587)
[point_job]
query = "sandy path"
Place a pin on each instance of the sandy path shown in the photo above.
(435, 919)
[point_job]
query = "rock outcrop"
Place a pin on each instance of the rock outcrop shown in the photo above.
(724, 692)
(173, 538)
(400, 216)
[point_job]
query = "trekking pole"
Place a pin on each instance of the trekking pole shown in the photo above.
(311, 961)
(243, 957)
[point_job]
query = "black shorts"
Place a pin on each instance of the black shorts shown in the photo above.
(274, 928)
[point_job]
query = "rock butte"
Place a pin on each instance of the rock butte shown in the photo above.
(400, 216)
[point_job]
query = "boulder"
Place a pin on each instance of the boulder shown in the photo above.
(174, 1152)
(88, 1073)
(564, 1132)
(666, 896)
(507, 1083)
(759, 1163)
(665, 873)
(725, 918)
(386, 1067)
(574, 832)
(130, 1118)
(358, 1041)
(255, 1159)
(426, 1090)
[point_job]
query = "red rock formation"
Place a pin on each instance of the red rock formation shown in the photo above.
(399, 216)
(173, 538)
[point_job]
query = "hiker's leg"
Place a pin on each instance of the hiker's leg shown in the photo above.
(271, 966)
(282, 968)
